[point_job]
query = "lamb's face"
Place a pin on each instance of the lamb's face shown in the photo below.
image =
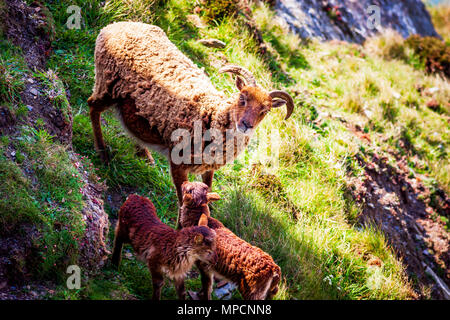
(273, 290)
(195, 194)
(252, 106)
(204, 245)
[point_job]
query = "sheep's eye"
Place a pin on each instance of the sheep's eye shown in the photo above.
(242, 100)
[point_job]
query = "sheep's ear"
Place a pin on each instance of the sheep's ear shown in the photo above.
(212, 196)
(278, 103)
(198, 239)
(240, 83)
(203, 220)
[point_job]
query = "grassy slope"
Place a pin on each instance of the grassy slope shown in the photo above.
(30, 163)
(323, 252)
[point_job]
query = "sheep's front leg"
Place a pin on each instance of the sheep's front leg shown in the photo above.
(158, 281)
(179, 286)
(208, 178)
(207, 281)
(179, 175)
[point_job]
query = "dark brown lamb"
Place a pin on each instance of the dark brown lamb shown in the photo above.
(166, 251)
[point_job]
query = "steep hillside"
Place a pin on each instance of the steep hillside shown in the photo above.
(354, 205)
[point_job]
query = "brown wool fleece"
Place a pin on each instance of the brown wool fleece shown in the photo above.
(137, 60)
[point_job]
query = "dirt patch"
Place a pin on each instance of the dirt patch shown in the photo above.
(396, 202)
(31, 28)
(57, 123)
(7, 121)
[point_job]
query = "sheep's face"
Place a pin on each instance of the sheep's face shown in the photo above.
(252, 106)
(205, 244)
(203, 241)
(195, 194)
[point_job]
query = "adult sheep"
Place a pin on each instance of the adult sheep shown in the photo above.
(157, 90)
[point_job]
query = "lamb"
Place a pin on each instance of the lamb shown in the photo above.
(166, 251)
(250, 268)
(156, 90)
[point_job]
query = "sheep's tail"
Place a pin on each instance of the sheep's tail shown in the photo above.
(117, 251)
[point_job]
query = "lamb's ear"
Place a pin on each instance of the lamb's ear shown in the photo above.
(278, 103)
(212, 196)
(240, 83)
(203, 220)
(183, 186)
(187, 198)
(198, 239)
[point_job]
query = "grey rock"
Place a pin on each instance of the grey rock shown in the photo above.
(309, 18)
(34, 92)
(212, 43)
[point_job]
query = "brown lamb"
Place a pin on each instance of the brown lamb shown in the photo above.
(250, 268)
(156, 90)
(165, 250)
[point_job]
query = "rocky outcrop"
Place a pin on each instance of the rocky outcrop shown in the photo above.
(30, 27)
(348, 20)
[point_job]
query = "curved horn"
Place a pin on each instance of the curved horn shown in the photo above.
(248, 76)
(286, 97)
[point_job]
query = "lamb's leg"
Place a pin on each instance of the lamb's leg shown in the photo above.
(158, 281)
(207, 282)
(208, 178)
(96, 109)
(179, 175)
(179, 286)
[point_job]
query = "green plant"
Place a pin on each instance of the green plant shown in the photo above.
(12, 69)
(434, 53)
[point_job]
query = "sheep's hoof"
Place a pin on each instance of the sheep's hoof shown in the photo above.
(145, 154)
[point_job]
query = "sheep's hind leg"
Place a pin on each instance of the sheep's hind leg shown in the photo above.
(119, 240)
(117, 251)
(143, 152)
(96, 108)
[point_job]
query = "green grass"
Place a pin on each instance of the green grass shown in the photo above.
(322, 253)
(54, 90)
(54, 208)
(300, 211)
(12, 70)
